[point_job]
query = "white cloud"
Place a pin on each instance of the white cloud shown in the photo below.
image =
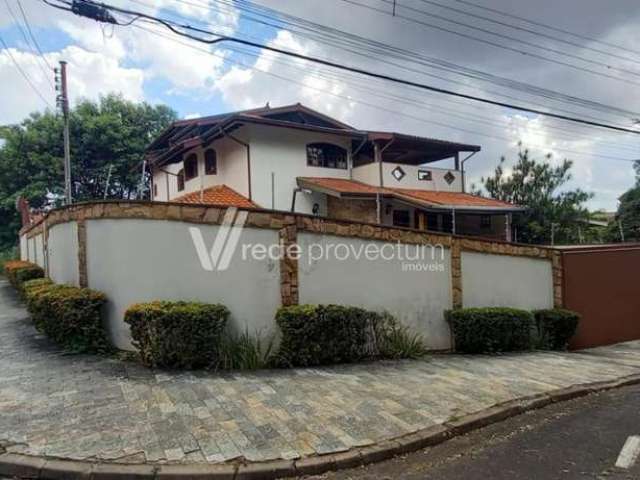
(90, 74)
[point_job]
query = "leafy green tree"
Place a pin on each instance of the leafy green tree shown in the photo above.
(110, 134)
(627, 217)
(539, 187)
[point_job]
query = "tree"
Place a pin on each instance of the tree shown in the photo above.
(538, 186)
(110, 134)
(627, 218)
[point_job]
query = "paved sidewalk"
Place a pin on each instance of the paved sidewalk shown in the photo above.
(84, 407)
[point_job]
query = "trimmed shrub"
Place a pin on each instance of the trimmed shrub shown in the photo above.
(18, 272)
(70, 316)
(323, 334)
(491, 330)
(555, 327)
(329, 334)
(177, 334)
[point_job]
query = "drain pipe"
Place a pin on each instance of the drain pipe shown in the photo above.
(378, 158)
(464, 188)
(352, 156)
(248, 147)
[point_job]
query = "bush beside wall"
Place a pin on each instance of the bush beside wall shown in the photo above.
(18, 272)
(70, 316)
(330, 334)
(177, 334)
(490, 330)
(555, 327)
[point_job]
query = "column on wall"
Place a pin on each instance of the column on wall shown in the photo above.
(456, 274)
(288, 266)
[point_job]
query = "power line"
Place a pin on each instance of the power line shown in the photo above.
(35, 42)
(530, 31)
(502, 45)
(545, 25)
(28, 43)
(22, 72)
(333, 37)
(175, 27)
(332, 76)
(372, 105)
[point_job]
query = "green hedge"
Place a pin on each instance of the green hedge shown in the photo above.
(329, 334)
(70, 316)
(555, 327)
(177, 334)
(490, 330)
(18, 272)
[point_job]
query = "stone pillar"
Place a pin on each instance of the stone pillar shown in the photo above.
(288, 266)
(82, 253)
(456, 274)
(558, 279)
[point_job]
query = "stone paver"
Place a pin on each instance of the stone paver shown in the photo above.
(86, 407)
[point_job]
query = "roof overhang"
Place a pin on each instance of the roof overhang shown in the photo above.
(414, 150)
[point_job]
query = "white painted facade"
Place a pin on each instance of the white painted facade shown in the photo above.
(278, 158)
(62, 246)
(370, 174)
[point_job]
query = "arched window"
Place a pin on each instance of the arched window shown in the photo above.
(180, 179)
(210, 162)
(326, 155)
(191, 166)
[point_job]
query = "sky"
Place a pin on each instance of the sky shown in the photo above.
(463, 48)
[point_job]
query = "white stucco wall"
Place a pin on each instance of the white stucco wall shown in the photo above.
(284, 152)
(39, 247)
(32, 249)
(369, 173)
(142, 260)
(417, 298)
(62, 245)
(502, 280)
(281, 151)
(24, 253)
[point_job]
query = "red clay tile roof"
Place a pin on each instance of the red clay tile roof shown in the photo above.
(451, 198)
(430, 197)
(217, 195)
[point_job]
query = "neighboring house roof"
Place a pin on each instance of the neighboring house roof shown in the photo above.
(217, 195)
(423, 198)
(186, 134)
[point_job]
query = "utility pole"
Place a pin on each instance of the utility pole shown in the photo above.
(62, 101)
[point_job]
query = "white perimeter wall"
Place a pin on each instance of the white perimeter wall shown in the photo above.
(135, 261)
(417, 298)
(63, 253)
(24, 253)
(506, 281)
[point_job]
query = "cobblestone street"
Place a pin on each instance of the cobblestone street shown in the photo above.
(86, 407)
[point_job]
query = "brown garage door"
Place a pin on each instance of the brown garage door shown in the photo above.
(603, 284)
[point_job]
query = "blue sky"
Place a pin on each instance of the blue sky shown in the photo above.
(196, 79)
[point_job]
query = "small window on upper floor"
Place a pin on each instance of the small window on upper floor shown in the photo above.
(210, 162)
(191, 166)
(326, 155)
(485, 222)
(180, 178)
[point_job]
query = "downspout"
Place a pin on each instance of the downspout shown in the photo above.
(378, 157)
(353, 155)
(246, 145)
(464, 188)
(453, 221)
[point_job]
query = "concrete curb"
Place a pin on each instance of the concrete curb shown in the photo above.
(25, 466)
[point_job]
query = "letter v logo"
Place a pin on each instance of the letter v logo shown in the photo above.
(225, 243)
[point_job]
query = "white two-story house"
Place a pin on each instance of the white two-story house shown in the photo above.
(297, 159)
